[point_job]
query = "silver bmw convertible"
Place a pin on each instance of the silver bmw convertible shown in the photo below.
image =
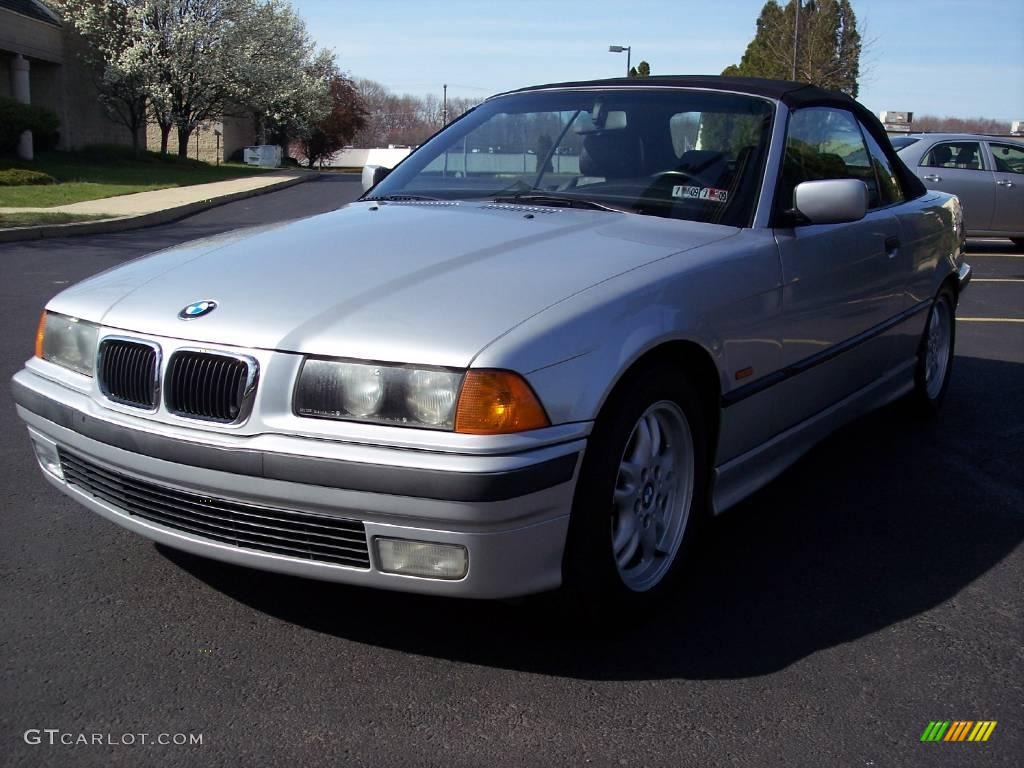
(542, 351)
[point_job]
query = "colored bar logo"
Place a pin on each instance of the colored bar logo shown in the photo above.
(958, 730)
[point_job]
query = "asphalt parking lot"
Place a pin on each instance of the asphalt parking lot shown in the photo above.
(874, 587)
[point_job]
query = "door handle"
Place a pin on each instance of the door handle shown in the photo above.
(1004, 183)
(892, 246)
(932, 177)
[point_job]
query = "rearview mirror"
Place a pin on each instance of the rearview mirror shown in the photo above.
(832, 201)
(373, 175)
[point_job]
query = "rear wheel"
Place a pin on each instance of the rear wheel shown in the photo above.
(935, 355)
(640, 495)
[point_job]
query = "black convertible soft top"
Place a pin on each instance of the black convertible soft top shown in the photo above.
(794, 95)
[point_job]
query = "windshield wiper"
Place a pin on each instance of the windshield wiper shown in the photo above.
(558, 201)
(398, 198)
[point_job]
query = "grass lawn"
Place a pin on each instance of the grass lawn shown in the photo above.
(37, 218)
(106, 172)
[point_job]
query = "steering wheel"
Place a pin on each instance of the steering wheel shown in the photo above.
(683, 175)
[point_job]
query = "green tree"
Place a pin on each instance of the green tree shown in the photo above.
(643, 69)
(828, 45)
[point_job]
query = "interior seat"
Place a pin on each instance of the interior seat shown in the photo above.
(706, 165)
(940, 156)
(967, 157)
(613, 154)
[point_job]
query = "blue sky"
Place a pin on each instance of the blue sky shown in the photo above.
(940, 57)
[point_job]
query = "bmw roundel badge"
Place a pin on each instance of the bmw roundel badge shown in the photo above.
(197, 309)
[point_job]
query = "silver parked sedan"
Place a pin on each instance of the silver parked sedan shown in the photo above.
(985, 172)
(540, 352)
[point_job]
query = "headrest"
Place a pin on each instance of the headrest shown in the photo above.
(942, 154)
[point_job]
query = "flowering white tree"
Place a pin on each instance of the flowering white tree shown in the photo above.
(121, 68)
(192, 46)
(195, 60)
(280, 76)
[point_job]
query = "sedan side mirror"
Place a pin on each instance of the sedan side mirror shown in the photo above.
(373, 175)
(831, 201)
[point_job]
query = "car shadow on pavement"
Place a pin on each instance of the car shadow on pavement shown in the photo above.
(883, 521)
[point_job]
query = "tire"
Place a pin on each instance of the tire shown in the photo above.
(935, 355)
(638, 504)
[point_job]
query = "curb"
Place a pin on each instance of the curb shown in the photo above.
(125, 223)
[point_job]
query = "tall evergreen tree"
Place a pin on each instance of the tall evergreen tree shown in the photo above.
(828, 45)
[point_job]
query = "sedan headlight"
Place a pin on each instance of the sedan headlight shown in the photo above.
(481, 402)
(68, 342)
(384, 394)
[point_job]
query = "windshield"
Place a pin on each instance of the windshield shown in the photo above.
(694, 155)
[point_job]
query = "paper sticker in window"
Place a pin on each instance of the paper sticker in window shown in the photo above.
(701, 193)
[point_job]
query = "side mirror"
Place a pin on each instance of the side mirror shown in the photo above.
(373, 175)
(832, 201)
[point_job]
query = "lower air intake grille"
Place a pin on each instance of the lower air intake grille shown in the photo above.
(283, 532)
(128, 372)
(201, 385)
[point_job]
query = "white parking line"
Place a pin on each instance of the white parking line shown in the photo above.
(990, 319)
(969, 256)
(998, 280)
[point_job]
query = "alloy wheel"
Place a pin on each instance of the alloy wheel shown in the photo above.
(936, 363)
(653, 496)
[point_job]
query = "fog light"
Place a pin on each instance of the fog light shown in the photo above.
(49, 459)
(422, 558)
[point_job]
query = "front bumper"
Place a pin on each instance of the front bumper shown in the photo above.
(510, 512)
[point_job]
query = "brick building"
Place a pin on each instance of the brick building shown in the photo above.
(39, 64)
(236, 133)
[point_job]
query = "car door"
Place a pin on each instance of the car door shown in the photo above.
(1008, 170)
(962, 169)
(841, 282)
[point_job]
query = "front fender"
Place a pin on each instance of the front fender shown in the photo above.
(724, 297)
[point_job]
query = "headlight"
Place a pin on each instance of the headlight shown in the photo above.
(67, 341)
(481, 402)
(383, 394)
(361, 388)
(430, 396)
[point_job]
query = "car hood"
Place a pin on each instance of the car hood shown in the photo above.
(429, 283)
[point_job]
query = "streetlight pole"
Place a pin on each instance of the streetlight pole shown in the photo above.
(619, 49)
(444, 109)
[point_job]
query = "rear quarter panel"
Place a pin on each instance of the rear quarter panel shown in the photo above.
(933, 242)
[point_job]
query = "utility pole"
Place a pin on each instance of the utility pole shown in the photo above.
(796, 37)
(444, 109)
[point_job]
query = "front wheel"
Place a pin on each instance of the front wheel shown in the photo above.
(935, 355)
(640, 494)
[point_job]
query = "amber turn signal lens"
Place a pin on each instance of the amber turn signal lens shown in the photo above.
(40, 334)
(497, 402)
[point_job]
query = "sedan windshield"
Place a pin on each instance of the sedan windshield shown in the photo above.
(676, 153)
